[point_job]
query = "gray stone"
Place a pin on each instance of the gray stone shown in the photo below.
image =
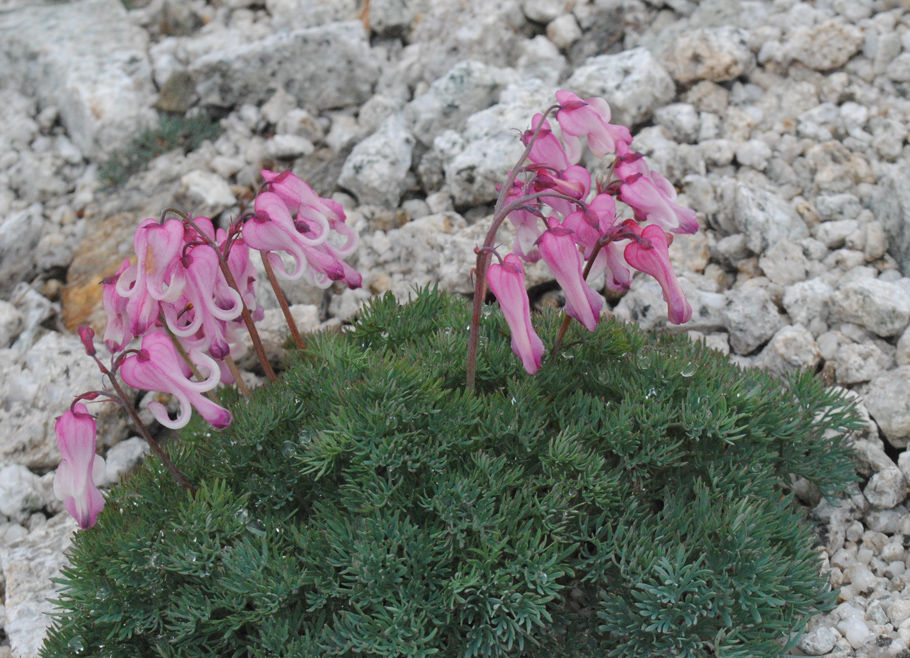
(11, 322)
(288, 147)
(888, 401)
(20, 233)
(825, 46)
(29, 563)
(376, 171)
(753, 153)
(836, 168)
(19, 493)
(899, 68)
(880, 306)
(35, 309)
(294, 14)
(856, 363)
(837, 206)
(392, 16)
(644, 305)
(208, 191)
(891, 207)
(123, 458)
(886, 488)
(834, 234)
(540, 58)
(765, 218)
(680, 121)
(716, 54)
(784, 263)
(40, 387)
(792, 348)
(818, 641)
(564, 31)
(633, 82)
(542, 11)
(467, 88)
(97, 72)
(295, 61)
(750, 317)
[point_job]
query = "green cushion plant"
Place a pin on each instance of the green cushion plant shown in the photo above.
(631, 499)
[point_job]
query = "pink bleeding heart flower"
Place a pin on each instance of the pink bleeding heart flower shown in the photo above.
(589, 118)
(158, 367)
(526, 220)
(650, 254)
(156, 276)
(117, 334)
(649, 194)
(546, 150)
(559, 252)
(507, 283)
(80, 469)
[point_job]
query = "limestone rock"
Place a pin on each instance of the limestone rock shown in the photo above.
(296, 61)
(29, 563)
(97, 72)
(826, 46)
(880, 306)
(716, 54)
(377, 169)
(751, 318)
(888, 401)
(765, 218)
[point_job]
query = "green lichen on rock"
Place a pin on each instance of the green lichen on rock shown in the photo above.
(631, 499)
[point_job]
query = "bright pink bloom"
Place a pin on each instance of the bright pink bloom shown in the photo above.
(650, 195)
(547, 150)
(507, 283)
(562, 257)
(650, 254)
(116, 333)
(156, 276)
(80, 469)
(158, 367)
(589, 118)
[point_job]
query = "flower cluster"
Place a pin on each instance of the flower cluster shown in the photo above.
(187, 297)
(562, 216)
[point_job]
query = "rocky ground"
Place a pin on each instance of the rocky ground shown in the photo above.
(783, 123)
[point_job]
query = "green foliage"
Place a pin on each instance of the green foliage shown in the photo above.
(629, 500)
(173, 132)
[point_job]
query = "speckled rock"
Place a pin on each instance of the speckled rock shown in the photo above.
(888, 400)
(751, 318)
(880, 306)
(716, 54)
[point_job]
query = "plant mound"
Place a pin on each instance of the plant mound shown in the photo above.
(631, 499)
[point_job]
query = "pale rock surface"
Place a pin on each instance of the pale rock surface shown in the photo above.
(11, 322)
(376, 171)
(857, 363)
(716, 54)
(633, 81)
(791, 348)
(208, 191)
(880, 306)
(28, 564)
(19, 493)
(784, 263)
(891, 207)
(251, 72)
(123, 458)
(20, 233)
(97, 72)
(467, 88)
(765, 218)
(751, 317)
(825, 46)
(888, 400)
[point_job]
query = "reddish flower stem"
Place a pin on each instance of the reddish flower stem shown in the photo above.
(282, 302)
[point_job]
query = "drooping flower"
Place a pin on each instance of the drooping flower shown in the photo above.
(563, 258)
(80, 469)
(156, 276)
(589, 118)
(649, 194)
(158, 367)
(117, 330)
(507, 283)
(650, 254)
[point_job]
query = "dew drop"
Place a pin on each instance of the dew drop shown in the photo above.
(76, 644)
(688, 370)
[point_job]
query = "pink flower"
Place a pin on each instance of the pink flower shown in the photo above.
(650, 254)
(273, 229)
(158, 367)
(116, 333)
(649, 194)
(547, 150)
(589, 118)
(75, 482)
(156, 276)
(562, 257)
(507, 283)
